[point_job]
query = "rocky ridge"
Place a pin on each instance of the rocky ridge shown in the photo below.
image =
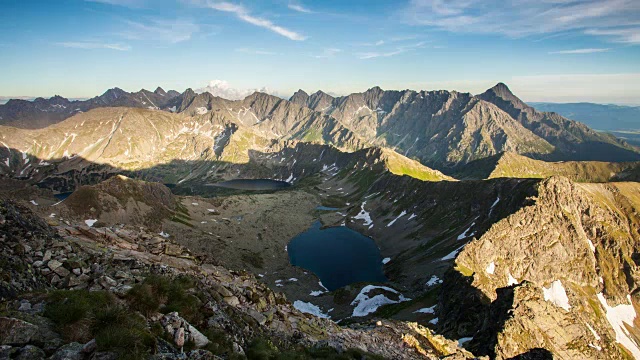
(117, 260)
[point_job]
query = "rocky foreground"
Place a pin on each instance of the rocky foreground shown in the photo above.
(73, 291)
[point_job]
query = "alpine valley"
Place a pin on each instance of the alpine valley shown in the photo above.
(162, 225)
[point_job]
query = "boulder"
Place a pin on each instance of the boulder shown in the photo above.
(16, 332)
(30, 352)
(71, 351)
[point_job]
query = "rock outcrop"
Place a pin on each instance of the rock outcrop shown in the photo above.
(552, 275)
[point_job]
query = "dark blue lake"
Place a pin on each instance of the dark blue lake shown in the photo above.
(253, 184)
(63, 195)
(338, 255)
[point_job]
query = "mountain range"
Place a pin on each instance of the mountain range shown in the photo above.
(510, 232)
(441, 129)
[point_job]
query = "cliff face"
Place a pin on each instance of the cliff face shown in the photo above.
(553, 274)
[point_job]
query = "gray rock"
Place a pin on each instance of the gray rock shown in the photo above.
(232, 301)
(61, 271)
(261, 319)
(16, 332)
(178, 337)
(71, 351)
(24, 306)
(107, 282)
(30, 352)
(90, 347)
(54, 264)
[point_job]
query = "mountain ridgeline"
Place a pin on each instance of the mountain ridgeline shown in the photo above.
(511, 232)
(441, 129)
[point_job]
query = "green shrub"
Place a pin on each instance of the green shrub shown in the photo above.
(81, 315)
(66, 307)
(164, 294)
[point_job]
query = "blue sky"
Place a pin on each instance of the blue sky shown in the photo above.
(545, 50)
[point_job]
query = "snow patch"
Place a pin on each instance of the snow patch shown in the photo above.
(452, 255)
(365, 305)
(466, 234)
(511, 280)
(557, 295)
(433, 281)
(164, 234)
(491, 268)
(494, 205)
(595, 334)
(429, 310)
(364, 215)
(309, 308)
(403, 213)
(34, 202)
(464, 340)
(412, 216)
(620, 317)
(386, 261)
(90, 222)
(434, 321)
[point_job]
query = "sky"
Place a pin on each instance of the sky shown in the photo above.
(544, 50)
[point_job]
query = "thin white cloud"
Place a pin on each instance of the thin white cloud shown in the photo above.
(243, 14)
(397, 51)
(125, 3)
(624, 35)
(299, 8)
(224, 90)
(88, 45)
(161, 30)
(529, 17)
(581, 51)
(327, 53)
(255, 51)
(373, 55)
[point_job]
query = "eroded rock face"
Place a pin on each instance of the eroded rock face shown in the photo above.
(533, 279)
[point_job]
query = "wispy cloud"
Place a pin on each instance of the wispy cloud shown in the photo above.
(581, 51)
(88, 45)
(255, 51)
(624, 35)
(243, 14)
(373, 55)
(162, 30)
(327, 53)
(530, 17)
(396, 51)
(299, 8)
(125, 3)
(390, 40)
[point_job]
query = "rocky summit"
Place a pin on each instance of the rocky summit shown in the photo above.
(157, 225)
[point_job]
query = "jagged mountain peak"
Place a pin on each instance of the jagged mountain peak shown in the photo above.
(502, 91)
(300, 92)
(374, 90)
(160, 91)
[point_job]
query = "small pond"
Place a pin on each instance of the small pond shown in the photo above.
(63, 195)
(253, 184)
(326, 208)
(338, 255)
